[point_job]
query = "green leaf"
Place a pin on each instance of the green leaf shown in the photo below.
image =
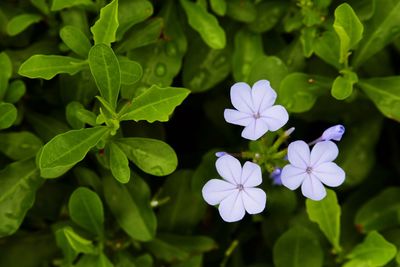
(86, 210)
(45, 126)
(41, 5)
(8, 115)
(119, 164)
(131, 13)
(18, 184)
(5, 73)
(380, 30)
(78, 243)
(298, 92)
(62, 242)
(46, 67)
(105, 29)
(15, 91)
(131, 71)
(248, 48)
(155, 104)
(150, 155)
(100, 260)
(76, 40)
(61, 4)
(105, 69)
(130, 204)
(342, 86)
(374, 251)
(302, 246)
(268, 15)
(19, 23)
(241, 10)
(326, 213)
(327, 47)
(270, 68)
(77, 115)
(65, 150)
(19, 145)
(205, 24)
(380, 212)
(385, 93)
(218, 7)
(349, 29)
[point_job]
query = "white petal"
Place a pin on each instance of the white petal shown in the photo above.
(237, 117)
(241, 97)
(255, 130)
(313, 188)
(229, 168)
(299, 154)
(329, 173)
(215, 190)
(263, 95)
(254, 200)
(275, 117)
(325, 151)
(292, 177)
(231, 208)
(251, 174)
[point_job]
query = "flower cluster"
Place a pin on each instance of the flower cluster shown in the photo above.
(311, 169)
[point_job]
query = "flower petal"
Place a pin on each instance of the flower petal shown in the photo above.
(251, 174)
(330, 174)
(229, 168)
(325, 151)
(313, 188)
(275, 117)
(241, 97)
(237, 117)
(299, 154)
(255, 130)
(254, 200)
(292, 177)
(263, 95)
(231, 208)
(215, 190)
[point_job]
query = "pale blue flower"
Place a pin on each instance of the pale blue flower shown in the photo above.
(237, 192)
(333, 133)
(220, 154)
(276, 176)
(255, 109)
(312, 169)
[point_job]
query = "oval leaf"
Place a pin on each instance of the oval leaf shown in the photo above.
(19, 145)
(8, 115)
(76, 40)
(105, 29)
(19, 23)
(119, 164)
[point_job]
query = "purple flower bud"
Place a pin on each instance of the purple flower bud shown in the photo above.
(276, 176)
(333, 133)
(220, 154)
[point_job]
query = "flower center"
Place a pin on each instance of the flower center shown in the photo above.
(257, 115)
(309, 170)
(240, 187)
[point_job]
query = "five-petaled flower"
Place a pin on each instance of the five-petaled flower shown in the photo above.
(255, 109)
(236, 193)
(312, 169)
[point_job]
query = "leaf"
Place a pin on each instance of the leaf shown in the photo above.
(302, 246)
(380, 30)
(18, 184)
(374, 251)
(218, 7)
(19, 145)
(327, 47)
(380, 212)
(15, 91)
(271, 68)
(65, 150)
(76, 40)
(326, 213)
(155, 104)
(105, 69)
(385, 93)
(131, 71)
(100, 260)
(8, 115)
(268, 15)
(19, 23)
(131, 13)
(342, 86)
(61, 4)
(105, 29)
(45, 126)
(78, 243)
(241, 10)
(205, 24)
(46, 67)
(86, 210)
(298, 92)
(150, 155)
(41, 5)
(130, 205)
(349, 29)
(62, 242)
(5, 73)
(119, 164)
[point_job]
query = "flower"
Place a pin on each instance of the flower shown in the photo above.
(333, 133)
(220, 154)
(255, 110)
(236, 193)
(276, 176)
(312, 170)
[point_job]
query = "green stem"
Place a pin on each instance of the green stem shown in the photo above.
(229, 252)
